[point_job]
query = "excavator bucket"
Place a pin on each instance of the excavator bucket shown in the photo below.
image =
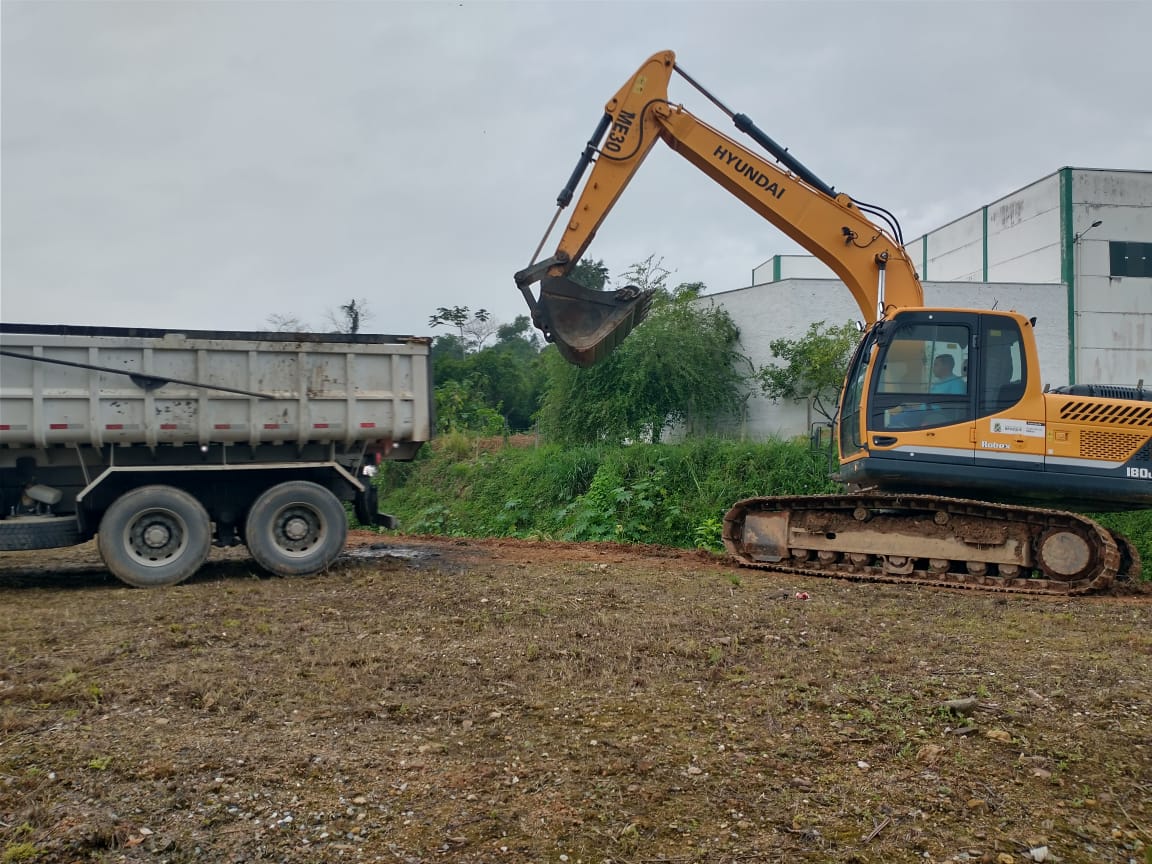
(587, 325)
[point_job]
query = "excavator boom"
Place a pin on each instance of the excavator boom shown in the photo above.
(586, 325)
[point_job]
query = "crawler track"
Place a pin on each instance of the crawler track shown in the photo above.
(928, 540)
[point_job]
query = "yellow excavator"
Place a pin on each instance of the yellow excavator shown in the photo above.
(951, 451)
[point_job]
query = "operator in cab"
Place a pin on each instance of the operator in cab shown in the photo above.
(944, 377)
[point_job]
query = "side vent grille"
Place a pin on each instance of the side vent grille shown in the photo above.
(1112, 446)
(1144, 454)
(1110, 413)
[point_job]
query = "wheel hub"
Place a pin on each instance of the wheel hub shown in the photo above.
(156, 536)
(296, 528)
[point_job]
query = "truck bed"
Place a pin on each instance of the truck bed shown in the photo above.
(193, 387)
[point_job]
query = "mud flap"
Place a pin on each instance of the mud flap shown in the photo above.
(587, 325)
(366, 504)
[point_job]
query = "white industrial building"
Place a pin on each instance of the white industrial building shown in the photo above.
(1073, 249)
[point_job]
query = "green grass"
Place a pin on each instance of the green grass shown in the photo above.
(666, 494)
(1137, 527)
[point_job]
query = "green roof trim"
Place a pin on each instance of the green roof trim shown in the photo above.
(984, 235)
(1067, 264)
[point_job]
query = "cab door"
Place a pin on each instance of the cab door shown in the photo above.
(1009, 425)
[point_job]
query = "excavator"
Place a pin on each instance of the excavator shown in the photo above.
(951, 451)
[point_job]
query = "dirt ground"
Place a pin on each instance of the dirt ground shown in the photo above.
(504, 701)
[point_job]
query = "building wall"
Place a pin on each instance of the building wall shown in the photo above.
(954, 252)
(1113, 314)
(1023, 234)
(1014, 239)
(791, 267)
(785, 309)
(1042, 234)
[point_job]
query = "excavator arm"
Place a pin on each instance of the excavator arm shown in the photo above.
(586, 325)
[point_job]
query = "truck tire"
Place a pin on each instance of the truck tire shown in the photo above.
(22, 533)
(154, 536)
(366, 505)
(296, 528)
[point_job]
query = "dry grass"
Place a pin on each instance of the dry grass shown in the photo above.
(504, 701)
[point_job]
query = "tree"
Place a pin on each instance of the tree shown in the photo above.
(505, 378)
(447, 347)
(513, 377)
(689, 290)
(460, 407)
(283, 323)
(350, 316)
(520, 330)
(811, 368)
(475, 328)
(682, 362)
(590, 274)
(648, 274)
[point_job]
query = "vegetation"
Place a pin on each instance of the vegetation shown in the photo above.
(665, 494)
(672, 495)
(590, 274)
(811, 368)
(1137, 527)
(351, 317)
(488, 390)
(682, 364)
(473, 328)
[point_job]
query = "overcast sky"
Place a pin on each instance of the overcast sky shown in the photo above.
(207, 164)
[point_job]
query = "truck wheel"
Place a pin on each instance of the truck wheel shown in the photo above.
(22, 533)
(296, 528)
(154, 536)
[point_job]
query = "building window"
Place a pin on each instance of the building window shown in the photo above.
(1130, 259)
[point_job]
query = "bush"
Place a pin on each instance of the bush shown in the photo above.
(1137, 527)
(668, 494)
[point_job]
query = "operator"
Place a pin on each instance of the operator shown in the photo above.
(944, 377)
(944, 381)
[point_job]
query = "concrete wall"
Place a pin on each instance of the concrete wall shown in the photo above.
(1113, 318)
(955, 252)
(1024, 234)
(780, 267)
(1042, 234)
(785, 309)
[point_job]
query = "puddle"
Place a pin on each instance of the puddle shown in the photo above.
(388, 550)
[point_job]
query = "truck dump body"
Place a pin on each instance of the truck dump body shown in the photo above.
(162, 443)
(298, 388)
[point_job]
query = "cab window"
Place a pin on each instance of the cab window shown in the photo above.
(1003, 371)
(923, 378)
(849, 420)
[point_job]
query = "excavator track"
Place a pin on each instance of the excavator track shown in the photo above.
(928, 540)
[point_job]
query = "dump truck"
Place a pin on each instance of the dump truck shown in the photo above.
(160, 443)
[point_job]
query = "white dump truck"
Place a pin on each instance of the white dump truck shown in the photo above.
(161, 443)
